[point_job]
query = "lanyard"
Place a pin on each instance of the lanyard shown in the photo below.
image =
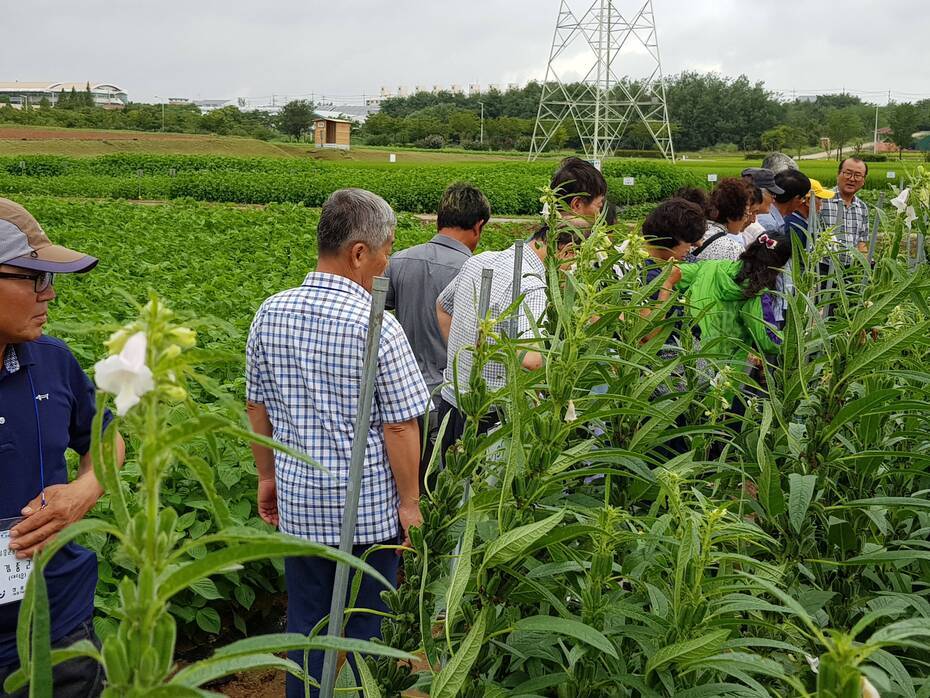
(35, 404)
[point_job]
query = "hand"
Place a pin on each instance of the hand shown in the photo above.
(409, 515)
(268, 501)
(65, 505)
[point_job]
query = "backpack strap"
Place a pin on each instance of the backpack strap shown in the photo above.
(713, 238)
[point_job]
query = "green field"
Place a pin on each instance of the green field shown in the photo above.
(641, 525)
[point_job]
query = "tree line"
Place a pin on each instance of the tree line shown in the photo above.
(706, 111)
(76, 109)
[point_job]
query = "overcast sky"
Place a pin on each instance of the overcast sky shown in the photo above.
(216, 49)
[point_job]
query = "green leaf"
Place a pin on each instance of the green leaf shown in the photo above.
(461, 574)
(570, 628)
(369, 685)
(263, 547)
(514, 542)
(770, 492)
(902, 631)
(448, 682)
(800, 493)
(206, 588)
(215, 668)
(179, 692)
(345, 686)
(245, 595)
(688, 650)
(286, 642)
(208, 619)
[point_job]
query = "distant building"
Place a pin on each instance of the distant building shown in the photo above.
(178, 100)
(207, 105)
(332, 133)
(23, 94)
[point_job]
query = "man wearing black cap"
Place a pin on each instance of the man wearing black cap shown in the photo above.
(47, 405)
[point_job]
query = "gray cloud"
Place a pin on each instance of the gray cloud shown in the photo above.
(225, 49)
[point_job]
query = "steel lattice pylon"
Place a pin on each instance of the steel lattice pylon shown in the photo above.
(602, 104)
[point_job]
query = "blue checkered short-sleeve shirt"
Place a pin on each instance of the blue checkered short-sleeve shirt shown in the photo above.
(304, 364)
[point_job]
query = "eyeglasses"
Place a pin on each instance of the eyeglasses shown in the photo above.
(854, 176)
(41, 280)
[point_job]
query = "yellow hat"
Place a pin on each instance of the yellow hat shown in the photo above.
(820, 191)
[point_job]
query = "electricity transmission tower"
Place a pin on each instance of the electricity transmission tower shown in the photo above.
(604, 103)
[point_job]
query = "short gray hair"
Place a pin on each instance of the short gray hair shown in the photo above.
(354, 215)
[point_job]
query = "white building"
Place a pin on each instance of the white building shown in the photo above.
(22, 94)
(207, 105)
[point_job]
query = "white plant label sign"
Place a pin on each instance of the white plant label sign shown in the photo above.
(629, 181)
(711, 178)
(14, 573)
(890, 174)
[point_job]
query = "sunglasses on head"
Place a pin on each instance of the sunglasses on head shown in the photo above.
(41, 280)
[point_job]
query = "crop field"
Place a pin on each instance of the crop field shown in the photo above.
(640, 526)
(73, 142)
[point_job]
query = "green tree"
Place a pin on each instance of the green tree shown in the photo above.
(713, 109)
(87, 99)
(775, 138)
(903, 122)
(296, 118)
(843, 125)
(44, 103)
(464, 125)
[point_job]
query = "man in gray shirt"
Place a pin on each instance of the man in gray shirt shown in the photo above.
(418, 275)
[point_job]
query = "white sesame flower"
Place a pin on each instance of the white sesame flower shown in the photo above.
(868, 690)
(125, 374)
(909, 217)
(814, 663)
(900, 201)
(570, 414)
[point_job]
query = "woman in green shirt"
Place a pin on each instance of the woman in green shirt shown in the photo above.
(732, 302)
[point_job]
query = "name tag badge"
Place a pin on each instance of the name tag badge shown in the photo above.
(14, 573)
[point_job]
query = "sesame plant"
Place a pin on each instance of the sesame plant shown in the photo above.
(645, 526)
(150, 372)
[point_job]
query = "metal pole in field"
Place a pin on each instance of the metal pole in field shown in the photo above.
(481, 137)
(354, 486)
(811, 224)
(484, 303)
(484, 293)
(921, 253)
(514, 324)
(873, 237)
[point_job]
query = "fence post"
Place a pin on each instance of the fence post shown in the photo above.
(873, 237)
(484, 303)
(514, 323)
(354, 486)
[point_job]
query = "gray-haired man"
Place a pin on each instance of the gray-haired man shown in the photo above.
(304, 370)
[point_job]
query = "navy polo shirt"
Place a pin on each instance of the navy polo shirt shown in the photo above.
(65, 398)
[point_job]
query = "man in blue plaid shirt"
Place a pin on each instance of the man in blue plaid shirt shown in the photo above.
(847, 211)
(304, 370)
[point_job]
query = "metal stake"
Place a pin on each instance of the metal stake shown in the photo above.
(514, 324)
(879, 207)
(484, 302)
(354, 486)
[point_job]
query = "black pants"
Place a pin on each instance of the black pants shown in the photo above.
(456, 426)
(309, 592)
(77, 678)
